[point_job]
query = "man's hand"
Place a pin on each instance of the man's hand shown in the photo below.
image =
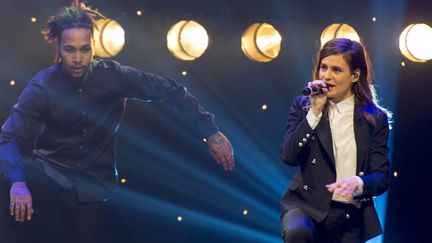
(221, 149)
(20, 202)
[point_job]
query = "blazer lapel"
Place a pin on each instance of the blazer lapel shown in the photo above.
(323, 132)
(361, 134)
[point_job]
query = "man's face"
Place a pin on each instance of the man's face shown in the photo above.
(75, 50)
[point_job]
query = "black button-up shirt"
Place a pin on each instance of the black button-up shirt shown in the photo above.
(75, 122)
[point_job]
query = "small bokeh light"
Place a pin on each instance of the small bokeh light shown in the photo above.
(187, 40)
(339, 30)
(33, 19)
(374, 19)
(109, 38)
(261, 42)
(179, 218)
(12, 82)
(123, 181)
(415, 42)
(403, 64)
(395, 174)
(264, 107)
(245, 212)
(139, 12)
(184, 73)
(204, 140)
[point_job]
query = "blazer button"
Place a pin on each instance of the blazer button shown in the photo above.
(313, 137)
(304, 140)
(313, 161)
(300, 145)
(361, 173)
(307, 135)
(306, 187)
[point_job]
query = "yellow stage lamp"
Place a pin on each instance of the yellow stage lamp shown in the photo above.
(187, 40)
(261, 42)
(415, 42)
(339, 30)
(109, 38)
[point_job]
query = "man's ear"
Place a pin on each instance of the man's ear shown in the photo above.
(57, 58)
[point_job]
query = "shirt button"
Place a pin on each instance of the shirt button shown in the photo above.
(313, 137)
(313, 161)
(361, 173)
(306, 187)
(347, 216)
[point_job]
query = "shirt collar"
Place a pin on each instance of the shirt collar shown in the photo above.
(86, 77)
(343, 106)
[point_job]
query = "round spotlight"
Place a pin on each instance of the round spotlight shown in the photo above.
(187, 40)
(261, 42)
(415, 42)
(109, 38)
(339, 30)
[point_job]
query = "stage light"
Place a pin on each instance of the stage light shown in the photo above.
(184, 73)
(179, 218)
(12, 82)
(415, 42)
(187, 40)
(109, 38)
(33, 19)
(261, 42)
(139, 12)
(339, 30)
(374, 19)
(264, 107)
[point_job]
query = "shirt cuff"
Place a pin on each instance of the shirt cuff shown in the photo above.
(15, 176)
(209, 129)
(359, 189)
(312, 119)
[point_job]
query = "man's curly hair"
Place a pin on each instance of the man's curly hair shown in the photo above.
(68, 18)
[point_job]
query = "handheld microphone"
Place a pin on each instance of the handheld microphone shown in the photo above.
(312, 90)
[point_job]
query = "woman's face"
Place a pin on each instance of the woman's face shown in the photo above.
(337, 74)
